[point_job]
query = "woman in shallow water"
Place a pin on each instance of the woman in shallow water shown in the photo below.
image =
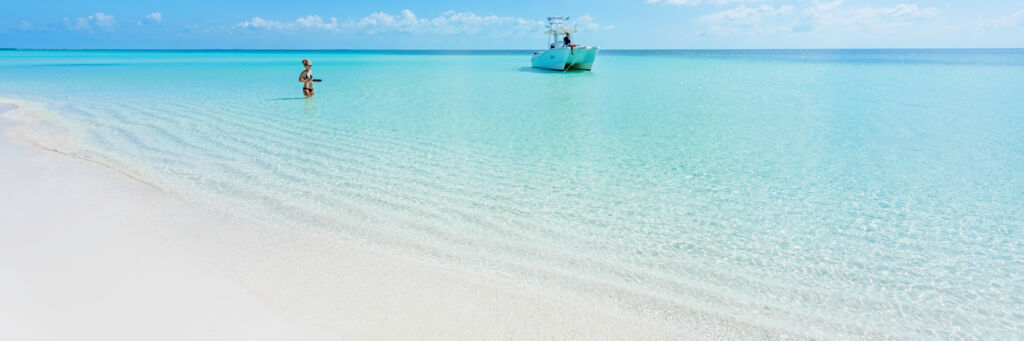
(306, 77)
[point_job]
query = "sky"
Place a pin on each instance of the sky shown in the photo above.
(463, 24)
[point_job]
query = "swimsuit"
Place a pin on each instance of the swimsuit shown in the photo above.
(309, 76)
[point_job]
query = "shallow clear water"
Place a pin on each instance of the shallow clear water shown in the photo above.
(822, 193)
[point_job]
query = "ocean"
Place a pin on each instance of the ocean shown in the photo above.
(858, 194)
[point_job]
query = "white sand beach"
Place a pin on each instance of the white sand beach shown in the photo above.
(82, 258)
(87, 253)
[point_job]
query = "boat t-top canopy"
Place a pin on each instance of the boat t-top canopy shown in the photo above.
(559, 26)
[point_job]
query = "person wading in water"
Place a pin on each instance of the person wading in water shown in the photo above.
(306, 77)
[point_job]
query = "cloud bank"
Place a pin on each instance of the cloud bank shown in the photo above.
(406, 21)
(698, 2)
(97, 20)
(818, 16)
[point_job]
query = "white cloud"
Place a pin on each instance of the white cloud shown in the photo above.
(819, 16)
(698, 2)
(316, 22)
(307, 22)
(832, 15)
(155, 16)
(405, 21)
(1015, 20)
(747, 20)
(102, 20)
(745, 14)
(98, 20)
(588, 23)
(447, 23)
(257, 22)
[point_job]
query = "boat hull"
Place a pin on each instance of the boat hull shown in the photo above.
(563, 58)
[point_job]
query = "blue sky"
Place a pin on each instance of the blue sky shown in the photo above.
(623, 24)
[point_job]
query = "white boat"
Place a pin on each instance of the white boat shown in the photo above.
(559, 56)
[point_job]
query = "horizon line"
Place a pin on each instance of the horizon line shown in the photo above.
(511, 50)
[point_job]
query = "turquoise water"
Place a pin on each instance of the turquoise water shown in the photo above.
(830, 194)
